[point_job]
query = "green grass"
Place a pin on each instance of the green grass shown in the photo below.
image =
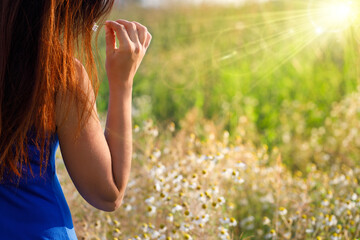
(289, 99)
(257, 61)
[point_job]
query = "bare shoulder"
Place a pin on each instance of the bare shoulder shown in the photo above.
(67, 102)
(81, 74)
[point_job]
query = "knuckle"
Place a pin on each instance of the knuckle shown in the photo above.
(122, 27)
(133, 26)
(139, 25)
(143, 28)
(137, 49)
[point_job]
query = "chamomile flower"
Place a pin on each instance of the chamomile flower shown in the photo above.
(232, 222)
(136, 128)
(151, 210)
(150, 200)
(163, 228)
(349, 205)
(335, 236)
(146, 236)
(193, 185)
(354, 197)
(157, 187)
(223, 233)
(187, 213)
(97, 224)
(202, 197)
(208, 194)
(177, 179)
(185, 227)
(266, 221)
(144, 227)
(184, 183)
(187, 236)
(136, 237)
(197, 220)
(116, 233)
(163, 195)
(231, 205)
(241, 165)
(234, 174)
(224, 220)
(155, 132)
(170, 217)
(157, 153)
(219, 156)
(325, 203)
(155, 234)
(214, 189)
(205, 218)
(282, 211)
(239, 180)
(331, 220)
(162, 237)
(171, 127)
(176, 208)
(214, 204)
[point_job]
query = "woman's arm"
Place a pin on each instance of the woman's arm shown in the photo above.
(99, 164)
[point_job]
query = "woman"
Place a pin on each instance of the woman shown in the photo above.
(47, 98)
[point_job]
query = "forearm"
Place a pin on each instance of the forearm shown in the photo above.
(118, 134)
(121, 65)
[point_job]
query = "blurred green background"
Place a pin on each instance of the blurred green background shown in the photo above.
(263, 62)
(284, 88)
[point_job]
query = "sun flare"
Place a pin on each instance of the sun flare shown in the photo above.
(332, 16)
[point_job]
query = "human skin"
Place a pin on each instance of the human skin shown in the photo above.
(99, 162)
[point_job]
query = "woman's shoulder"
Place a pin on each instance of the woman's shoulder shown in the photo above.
(70, 101)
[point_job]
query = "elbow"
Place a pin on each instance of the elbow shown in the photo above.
(115, 205)
(107, 201)
(110, 206)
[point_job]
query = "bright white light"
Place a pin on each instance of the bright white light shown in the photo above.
(333, 15)
(339, 13)
(319, 31)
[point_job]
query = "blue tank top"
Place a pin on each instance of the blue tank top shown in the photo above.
(34, 206)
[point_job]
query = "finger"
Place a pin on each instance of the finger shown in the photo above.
(142, 32)
(148, 40)
(120, 31)
(131, 30)
(110, 39)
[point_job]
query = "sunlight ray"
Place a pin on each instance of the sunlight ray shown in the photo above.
(259, 24)
(309, 38)
(270, 40)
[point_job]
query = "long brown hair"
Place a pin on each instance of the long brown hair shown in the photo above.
(39, 40)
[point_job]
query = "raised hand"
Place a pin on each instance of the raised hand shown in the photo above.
(123, 61)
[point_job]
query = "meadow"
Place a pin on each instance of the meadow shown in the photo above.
(246, 124)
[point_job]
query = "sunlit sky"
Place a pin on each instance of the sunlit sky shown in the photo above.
(157, 3)
(307, 22)
(154, 3)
